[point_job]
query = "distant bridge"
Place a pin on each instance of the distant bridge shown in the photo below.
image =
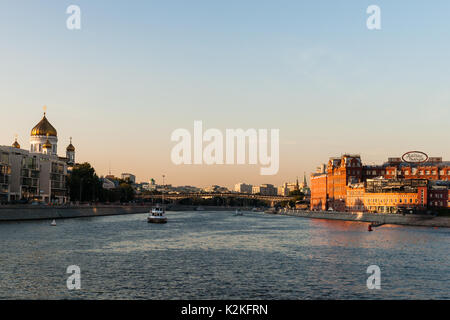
(180, 196)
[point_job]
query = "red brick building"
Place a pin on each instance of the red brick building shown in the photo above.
(439, 197)
(387, 195)
(329, 185)
(329, 188)
(319, 197)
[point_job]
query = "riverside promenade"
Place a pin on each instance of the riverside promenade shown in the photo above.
(398, 219)
(30, 212)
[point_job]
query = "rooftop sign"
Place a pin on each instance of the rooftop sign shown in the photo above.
(415, 157)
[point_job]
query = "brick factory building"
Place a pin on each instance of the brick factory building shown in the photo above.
(345, 184)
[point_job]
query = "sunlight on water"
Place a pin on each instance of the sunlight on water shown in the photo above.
(215, 255)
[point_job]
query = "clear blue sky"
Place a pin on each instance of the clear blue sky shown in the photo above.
(137, 70)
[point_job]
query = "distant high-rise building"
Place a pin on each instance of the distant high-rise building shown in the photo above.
(265, 190)
(243, 188)
(129, 177)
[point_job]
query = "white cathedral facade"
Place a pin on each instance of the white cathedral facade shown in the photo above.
(38, 174)
(44, 139)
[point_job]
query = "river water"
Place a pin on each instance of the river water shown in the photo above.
(215, 255)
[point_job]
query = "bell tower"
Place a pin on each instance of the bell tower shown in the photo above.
(70, 153)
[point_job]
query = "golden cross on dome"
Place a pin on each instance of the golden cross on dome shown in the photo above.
(45, 109)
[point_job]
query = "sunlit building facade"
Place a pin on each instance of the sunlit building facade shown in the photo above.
(37, 174)
(345, 184)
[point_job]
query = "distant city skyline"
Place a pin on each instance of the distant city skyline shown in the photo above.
(134, 73)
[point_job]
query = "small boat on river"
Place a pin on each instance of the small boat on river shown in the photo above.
(157, 215)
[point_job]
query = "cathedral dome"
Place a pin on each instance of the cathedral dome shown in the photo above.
(47, 144)
(44, 128)
(16, 144)
(70, 147)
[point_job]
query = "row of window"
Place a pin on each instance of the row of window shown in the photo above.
(393, 201)
(437, 203)
(437, 195)
(421, 172)
(413, 172)
(38, 148)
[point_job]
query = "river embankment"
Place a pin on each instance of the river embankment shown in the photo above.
(30, 212)
(398, 219)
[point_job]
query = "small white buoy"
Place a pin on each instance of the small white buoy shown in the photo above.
(53, 223)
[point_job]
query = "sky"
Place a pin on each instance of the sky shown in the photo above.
(138, 70)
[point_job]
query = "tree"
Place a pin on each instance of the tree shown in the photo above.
(83, 183)
(298, 196)
(126, 192)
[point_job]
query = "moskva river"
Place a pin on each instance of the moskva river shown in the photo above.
(216, 255)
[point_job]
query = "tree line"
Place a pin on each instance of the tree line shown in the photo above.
(85, 186)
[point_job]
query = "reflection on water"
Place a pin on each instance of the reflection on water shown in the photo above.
(215, 255)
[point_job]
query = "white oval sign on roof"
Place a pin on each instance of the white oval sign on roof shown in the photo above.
(415, 157)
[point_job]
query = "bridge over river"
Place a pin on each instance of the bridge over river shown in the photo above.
(179, 196)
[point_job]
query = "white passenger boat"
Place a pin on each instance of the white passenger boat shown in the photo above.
(157, 215)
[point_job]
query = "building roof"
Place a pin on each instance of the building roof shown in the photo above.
(70, 147)
(16, 144)
(44, 128)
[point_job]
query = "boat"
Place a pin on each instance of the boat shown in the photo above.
(199, 208)
(238, 212)
(53, 224)
(157, 215)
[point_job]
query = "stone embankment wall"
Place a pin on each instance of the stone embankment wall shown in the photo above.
(409, 219)
(19, 213)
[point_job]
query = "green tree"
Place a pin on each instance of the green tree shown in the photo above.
(84, 184)
(298, 196)
(126, 192)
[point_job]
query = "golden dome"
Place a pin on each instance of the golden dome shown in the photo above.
(70, 147)
(44, 128)
(47, 144)
(16, 144)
